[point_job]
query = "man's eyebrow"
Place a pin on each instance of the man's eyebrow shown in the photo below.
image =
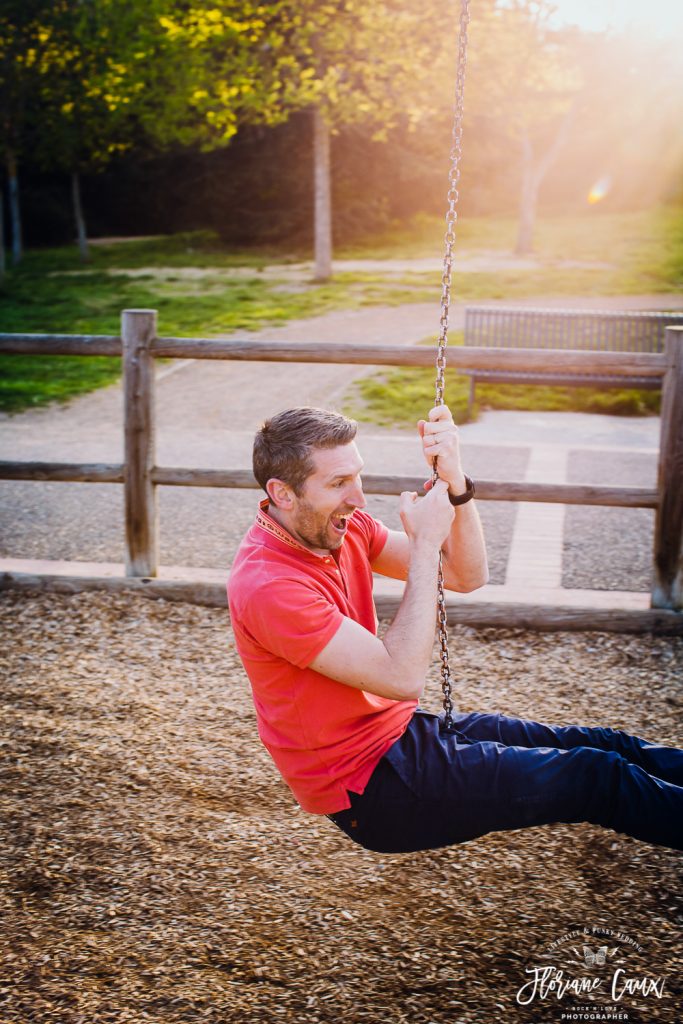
(344, 476)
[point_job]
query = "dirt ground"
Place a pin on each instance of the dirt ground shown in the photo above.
(156, 869)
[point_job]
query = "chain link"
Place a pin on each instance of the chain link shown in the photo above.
(451, 220)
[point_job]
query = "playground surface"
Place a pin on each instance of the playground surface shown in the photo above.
(158, 870)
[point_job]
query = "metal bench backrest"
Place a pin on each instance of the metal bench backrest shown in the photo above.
(568, 329)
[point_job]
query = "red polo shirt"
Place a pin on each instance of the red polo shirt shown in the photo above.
(286, 604)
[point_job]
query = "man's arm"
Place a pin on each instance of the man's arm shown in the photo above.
(396, 665)
(465, 566)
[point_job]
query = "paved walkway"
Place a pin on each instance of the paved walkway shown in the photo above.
(466, 262)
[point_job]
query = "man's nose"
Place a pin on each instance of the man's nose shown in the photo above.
(356, 497)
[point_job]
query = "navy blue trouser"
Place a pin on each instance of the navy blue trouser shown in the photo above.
(434, 788)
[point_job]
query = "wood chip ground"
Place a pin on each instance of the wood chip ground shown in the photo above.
(156, 869)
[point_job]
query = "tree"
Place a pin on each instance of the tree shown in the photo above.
(344, 61)
(20, 44)
(102, 74)
(353, 63)
(95, 65)
(525, 84)
(599, 100)
(215, 69)
(3, 258)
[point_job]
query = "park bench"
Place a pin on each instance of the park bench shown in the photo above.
(499, 327)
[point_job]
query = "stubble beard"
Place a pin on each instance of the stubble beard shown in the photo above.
(314, 528)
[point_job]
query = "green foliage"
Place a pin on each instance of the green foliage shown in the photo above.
(70, 77)
(357, 62)
(81, 81)
(220, 64)
(19, 49)
(218, 69)
(93, 80)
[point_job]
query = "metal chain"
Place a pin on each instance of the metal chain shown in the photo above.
(451, 220)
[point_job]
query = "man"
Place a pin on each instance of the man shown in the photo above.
(337, 706)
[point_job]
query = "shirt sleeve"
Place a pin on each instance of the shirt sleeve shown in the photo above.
(292, 620)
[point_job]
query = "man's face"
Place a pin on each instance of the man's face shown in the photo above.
(329, 497)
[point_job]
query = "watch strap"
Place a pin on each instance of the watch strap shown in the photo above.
(461, 499)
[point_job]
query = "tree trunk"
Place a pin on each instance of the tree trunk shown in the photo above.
(667, 591)
(3, 261)
(81, 233)
(14, 209)
(532, 177)
(528, 199)
(322, 222)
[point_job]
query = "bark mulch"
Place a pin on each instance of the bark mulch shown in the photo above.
(156, 869)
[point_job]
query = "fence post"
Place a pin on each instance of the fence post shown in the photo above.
(138, 328)
(667, 590)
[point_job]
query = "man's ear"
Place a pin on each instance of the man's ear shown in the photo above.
(280, 493)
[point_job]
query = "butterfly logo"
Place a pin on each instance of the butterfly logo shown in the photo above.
(595, 959)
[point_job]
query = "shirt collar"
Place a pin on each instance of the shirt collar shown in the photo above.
(273, 529)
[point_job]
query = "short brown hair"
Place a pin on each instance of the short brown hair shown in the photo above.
(284, 444)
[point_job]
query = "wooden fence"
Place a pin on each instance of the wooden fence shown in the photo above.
(140, 346)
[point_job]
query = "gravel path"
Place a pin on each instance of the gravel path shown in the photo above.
(626, 533)
(155, 868)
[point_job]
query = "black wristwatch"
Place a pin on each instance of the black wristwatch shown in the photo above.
(462, 498)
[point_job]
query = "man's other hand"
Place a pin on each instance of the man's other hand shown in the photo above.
(430, 518)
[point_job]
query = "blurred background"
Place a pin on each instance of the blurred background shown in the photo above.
(129, 117)
(238, 165)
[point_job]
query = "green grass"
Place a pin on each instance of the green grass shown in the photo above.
(53, 292)
(92, 302)
(645, 248)
(29, 381)
(187, 249)
(42, 300)
(403, 396)
(643, 253)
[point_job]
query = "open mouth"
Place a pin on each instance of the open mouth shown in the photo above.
(341, 522)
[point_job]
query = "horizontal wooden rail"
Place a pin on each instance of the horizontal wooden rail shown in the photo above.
(64, 472)
(60, 345)
(642, 364)
(373, 483)
(182, 476)
(487, 490)
(620, 364)
(471, 613)
(515, 490)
